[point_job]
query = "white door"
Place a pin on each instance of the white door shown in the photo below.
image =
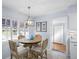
(59, 30)
(58, 33)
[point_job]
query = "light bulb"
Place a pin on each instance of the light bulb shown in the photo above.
(29, 22)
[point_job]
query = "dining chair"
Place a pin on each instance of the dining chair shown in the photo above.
(38, 36)
(17, 52)
(41, 51)
(21, 37)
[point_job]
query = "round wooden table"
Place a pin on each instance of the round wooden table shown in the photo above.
(29, 43)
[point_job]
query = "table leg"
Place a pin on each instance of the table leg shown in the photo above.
(30, 52)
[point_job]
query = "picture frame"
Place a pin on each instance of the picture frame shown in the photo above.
(14, 23)
(44, 27)
(38, 26)
(41, 26)
(3, 22)
(8, 22)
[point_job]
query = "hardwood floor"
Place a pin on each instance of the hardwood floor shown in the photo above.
(59, 47)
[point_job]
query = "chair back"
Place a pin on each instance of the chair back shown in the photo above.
(20, 37)
(38, 36)
(13, 47)
(44, 44)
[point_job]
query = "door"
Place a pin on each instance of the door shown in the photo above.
(58, 37)
(58, 33)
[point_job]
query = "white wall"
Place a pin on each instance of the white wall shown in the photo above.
(73, 21)
(9, 13)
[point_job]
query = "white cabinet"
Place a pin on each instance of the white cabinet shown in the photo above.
(73, 49)
(72, 45)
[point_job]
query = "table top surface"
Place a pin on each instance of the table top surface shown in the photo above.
(27, 41)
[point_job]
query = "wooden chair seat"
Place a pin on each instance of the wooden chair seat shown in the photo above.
(22, 51)
(37, 49)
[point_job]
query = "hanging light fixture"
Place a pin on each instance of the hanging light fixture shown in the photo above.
(29, 22)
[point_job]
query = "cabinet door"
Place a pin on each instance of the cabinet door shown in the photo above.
(73, 50)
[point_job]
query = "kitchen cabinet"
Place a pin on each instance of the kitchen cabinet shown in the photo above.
(72, 43)
(73, 49)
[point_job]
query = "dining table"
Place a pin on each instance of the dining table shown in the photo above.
(30, 43)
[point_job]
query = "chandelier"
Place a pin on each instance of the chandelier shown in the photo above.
(28, 22)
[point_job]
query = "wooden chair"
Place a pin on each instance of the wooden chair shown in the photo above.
(21, 37)
(38, 36)
(18, 53)
(41, 51)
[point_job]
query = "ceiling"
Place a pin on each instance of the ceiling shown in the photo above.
(38, 7)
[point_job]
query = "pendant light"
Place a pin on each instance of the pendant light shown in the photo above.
(29, 22)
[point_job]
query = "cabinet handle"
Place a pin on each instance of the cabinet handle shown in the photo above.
(73, 42)
(75, 45)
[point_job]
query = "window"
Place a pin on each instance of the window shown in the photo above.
(3, 22)
(9, 32)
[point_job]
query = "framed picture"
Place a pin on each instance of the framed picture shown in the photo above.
(41, 26)
(38, 26)
(3, 22)
(8, 22)
(14, 24)
(44, 27)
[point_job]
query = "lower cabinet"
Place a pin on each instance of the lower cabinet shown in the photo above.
(73, 49)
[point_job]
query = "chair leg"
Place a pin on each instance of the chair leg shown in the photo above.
(41, 56)
(36, 56)
(21, 57)
(11, 56)
(46, 54)
(17, 57)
